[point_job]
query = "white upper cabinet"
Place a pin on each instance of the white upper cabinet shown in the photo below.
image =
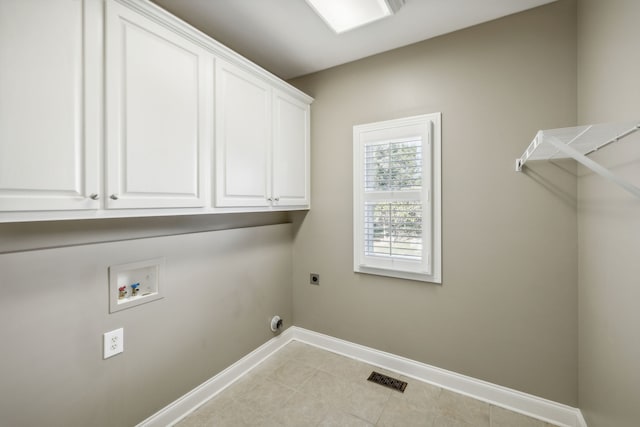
(262, 143)
(116, 108)
(156, 86)
(49, 104)
(290, 151)
(243, 138)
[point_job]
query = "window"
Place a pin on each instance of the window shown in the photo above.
(397, 198)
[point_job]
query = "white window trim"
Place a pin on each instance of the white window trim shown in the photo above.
(432, 194)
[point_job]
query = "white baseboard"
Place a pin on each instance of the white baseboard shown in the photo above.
(581, 421)
(514, 400)
(183, 406)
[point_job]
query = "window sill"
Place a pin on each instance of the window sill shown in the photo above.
(421, 277)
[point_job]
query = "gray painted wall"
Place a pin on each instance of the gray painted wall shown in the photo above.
(221, 289)
(507, 309)
(609, 218)
(23, 236)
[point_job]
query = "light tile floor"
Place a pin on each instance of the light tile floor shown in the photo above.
(301, 385)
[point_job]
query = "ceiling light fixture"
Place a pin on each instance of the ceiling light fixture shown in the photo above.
(345, 15)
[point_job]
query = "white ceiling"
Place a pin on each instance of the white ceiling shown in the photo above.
(287, 38)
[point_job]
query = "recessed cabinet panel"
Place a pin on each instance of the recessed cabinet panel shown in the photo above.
(290, 151)
(161, 105)
(243, 138)
(155, 91)
(48, 133)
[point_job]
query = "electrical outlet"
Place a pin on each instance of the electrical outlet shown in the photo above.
(314, 279)
(113, 343)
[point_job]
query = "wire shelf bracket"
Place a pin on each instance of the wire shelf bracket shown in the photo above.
(577, 143)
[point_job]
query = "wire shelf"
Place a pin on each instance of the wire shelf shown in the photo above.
(577, 143)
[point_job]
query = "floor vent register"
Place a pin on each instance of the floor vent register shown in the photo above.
(387, 381)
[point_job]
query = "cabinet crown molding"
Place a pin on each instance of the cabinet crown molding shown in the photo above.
(163, 17)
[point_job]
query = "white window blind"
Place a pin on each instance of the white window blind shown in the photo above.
(393, 227)
(396, 219)
(393, 165)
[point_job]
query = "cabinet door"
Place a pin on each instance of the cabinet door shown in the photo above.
(156, 102)
(290, 151)
(243, 138)
(49, 104)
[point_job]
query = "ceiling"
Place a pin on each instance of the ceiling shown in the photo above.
(287, 38)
